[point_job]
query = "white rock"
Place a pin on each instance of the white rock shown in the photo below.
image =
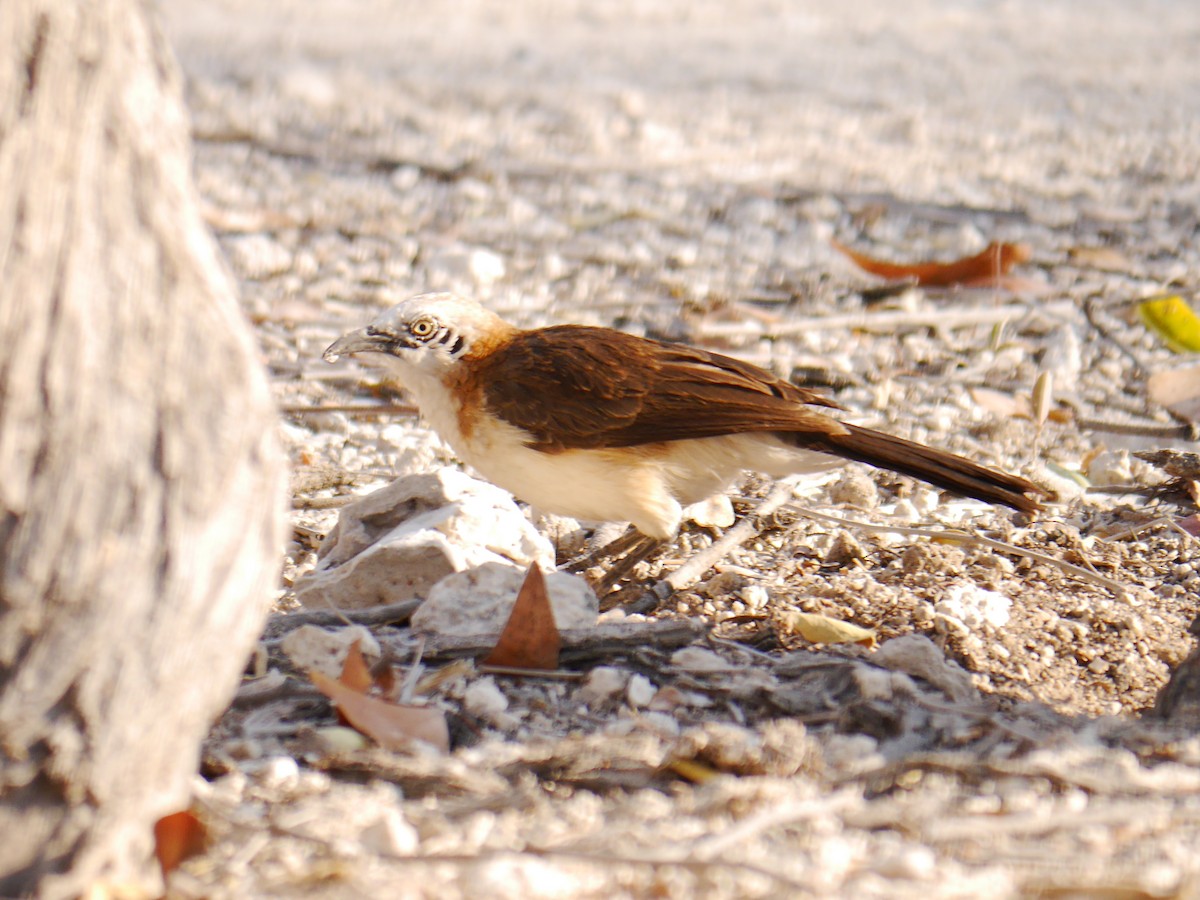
(697, 659)
(398, 542)
(324, 649)
(456, 266)
(755, 596)
(640, 691)
(915, 863)
(1109, 468)
(276, 772)
(660, 724)
(478, 602)
(567, 535)
(602, 684)
(715, 512)
(340, 739)
(311, 85)
(258, 256)
(975, 606)
(390, 834)
(484, 699)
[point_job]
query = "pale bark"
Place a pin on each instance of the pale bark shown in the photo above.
(140, 480)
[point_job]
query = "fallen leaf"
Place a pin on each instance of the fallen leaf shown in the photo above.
(693, 771)
(177, 837)
(1173, 321)
(1006, 406)
(1015, 406)
(530, 639)
(355, 673)
(1178, 390)
(1106, 259)
(391, 725)
(1190, 524)
(820, 629)
(982, 269)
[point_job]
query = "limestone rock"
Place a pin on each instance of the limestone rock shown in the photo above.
(397, 542)
(479, 601)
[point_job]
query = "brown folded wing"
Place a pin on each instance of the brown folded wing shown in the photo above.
(576, 387)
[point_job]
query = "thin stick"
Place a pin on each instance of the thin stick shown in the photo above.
(391, 614)
(353, 409)
(888, 321)
(788, 814)
(962, 537)
(1139, 429)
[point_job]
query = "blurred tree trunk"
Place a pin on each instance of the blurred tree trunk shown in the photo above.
(140, 480)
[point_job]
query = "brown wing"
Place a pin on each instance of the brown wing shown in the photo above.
(575, 387)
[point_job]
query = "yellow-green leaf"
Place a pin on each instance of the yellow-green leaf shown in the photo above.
(1173, 321)
(823, 630)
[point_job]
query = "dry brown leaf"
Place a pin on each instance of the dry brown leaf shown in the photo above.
(391, 725)
(355, 673)
(177, 837)
(983, 269)
(1190, 524)
(530, 639)
(820, 629)
(1178, 390)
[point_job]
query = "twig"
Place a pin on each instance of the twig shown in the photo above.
(391, 614)
(888, 321)
(549, 674)
(1143, 429)
(749, 526)
(788, 814)
(961, 537)
(353, 409)
(1089, 310)
(322, 502)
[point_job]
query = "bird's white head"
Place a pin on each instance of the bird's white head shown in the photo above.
(426, 334)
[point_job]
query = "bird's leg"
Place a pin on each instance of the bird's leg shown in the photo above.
(614, 548)
(642, 550)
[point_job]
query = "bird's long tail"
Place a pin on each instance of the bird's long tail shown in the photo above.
(937, 467)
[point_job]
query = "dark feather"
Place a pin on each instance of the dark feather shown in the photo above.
(576, 387)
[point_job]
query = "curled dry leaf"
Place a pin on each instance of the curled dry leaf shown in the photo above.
(177, 837)
(820, 629)
(391, 725)
(985, 268)
(1190, 524)
(355, 673)
(530, 639)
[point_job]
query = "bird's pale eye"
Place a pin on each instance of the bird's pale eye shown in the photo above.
(422, 328)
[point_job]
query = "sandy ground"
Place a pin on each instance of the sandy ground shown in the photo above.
(679, 169)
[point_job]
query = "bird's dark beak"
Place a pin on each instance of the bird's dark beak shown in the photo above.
(364, 340)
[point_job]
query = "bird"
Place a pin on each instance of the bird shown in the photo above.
(603, 426)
